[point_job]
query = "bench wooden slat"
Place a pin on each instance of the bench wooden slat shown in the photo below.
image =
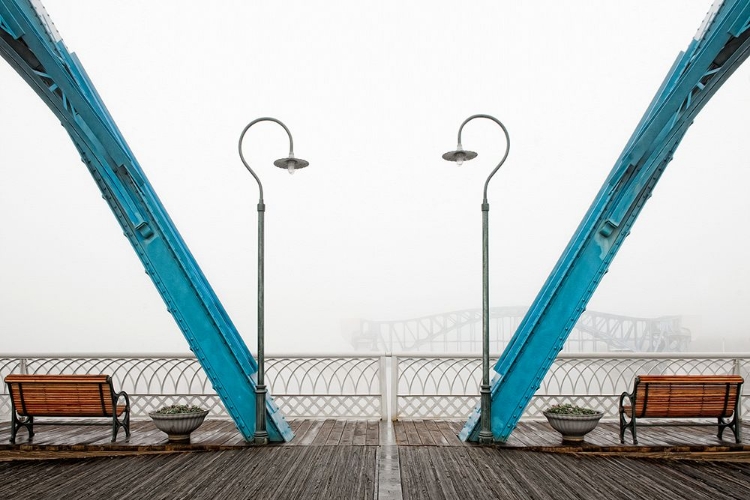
(704, 379)
(56, 379)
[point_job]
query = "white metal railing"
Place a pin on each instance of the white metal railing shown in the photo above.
(328, 386)
(398, 386)
(302, 386)
(448, 386)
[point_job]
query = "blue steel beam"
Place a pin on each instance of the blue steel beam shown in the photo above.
(33, 47)
(720, 46)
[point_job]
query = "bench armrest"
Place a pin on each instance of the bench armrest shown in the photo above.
(123, 394)
(631, 400)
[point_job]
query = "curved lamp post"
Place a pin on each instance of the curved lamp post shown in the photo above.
(459, 156)
(291, 164)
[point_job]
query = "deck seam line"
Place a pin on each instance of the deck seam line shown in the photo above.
(388, 473)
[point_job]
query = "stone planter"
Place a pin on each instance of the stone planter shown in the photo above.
(178, 426)
(573, 427)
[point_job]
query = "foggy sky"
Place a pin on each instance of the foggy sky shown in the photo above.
(378, 226)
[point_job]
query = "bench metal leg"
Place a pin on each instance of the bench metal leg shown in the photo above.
(19, 422)
(125, 423)
(733, 425)
(624, 425)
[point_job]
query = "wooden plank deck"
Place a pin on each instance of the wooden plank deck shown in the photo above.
(273, 472)
(339, 459)
(479, 472)
(220, 434)
(533, 435)
(347, 472)
(214, 434)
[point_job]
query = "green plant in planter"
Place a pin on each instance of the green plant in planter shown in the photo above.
(179, 409)
(569, 409)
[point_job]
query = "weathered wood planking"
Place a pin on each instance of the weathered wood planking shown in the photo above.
(449, 472)
(261, 472)
(218, 434)
(538, 435)
(321, 463)
(214, 434)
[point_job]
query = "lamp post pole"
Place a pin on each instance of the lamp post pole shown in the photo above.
(291, 164)
(459, 156)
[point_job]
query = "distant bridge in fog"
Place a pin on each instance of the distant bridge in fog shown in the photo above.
(461, 332)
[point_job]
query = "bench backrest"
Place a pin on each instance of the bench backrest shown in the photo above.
(685, 396)
(61, 395)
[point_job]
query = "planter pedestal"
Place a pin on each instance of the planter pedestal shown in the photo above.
(573, 427)
(178, 426)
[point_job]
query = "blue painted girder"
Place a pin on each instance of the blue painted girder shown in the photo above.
(720, 46)
(32, 46)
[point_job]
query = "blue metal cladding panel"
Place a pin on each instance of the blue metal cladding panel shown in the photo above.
(31, 45)
(720, 46)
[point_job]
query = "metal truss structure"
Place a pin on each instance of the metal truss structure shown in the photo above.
(30, 43)
(721, 44)
(460, 332)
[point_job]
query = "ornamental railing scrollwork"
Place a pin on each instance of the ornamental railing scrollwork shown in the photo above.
(448, 386)
(304, 386)
(399, 386)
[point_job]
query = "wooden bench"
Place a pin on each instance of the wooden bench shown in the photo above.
(66, 396)
(682, 397)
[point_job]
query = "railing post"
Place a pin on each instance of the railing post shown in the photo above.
(383, 383)
(23, 368)
(738, 371)
(394, 388)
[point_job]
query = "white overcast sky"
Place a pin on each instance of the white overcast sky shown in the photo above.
(379, 226)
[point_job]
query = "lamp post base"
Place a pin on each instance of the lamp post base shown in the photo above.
(486, 438)
(485, 434)
(261, 435)
(260, 439)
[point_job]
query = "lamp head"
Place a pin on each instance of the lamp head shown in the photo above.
(459, 156)
(291, 163)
